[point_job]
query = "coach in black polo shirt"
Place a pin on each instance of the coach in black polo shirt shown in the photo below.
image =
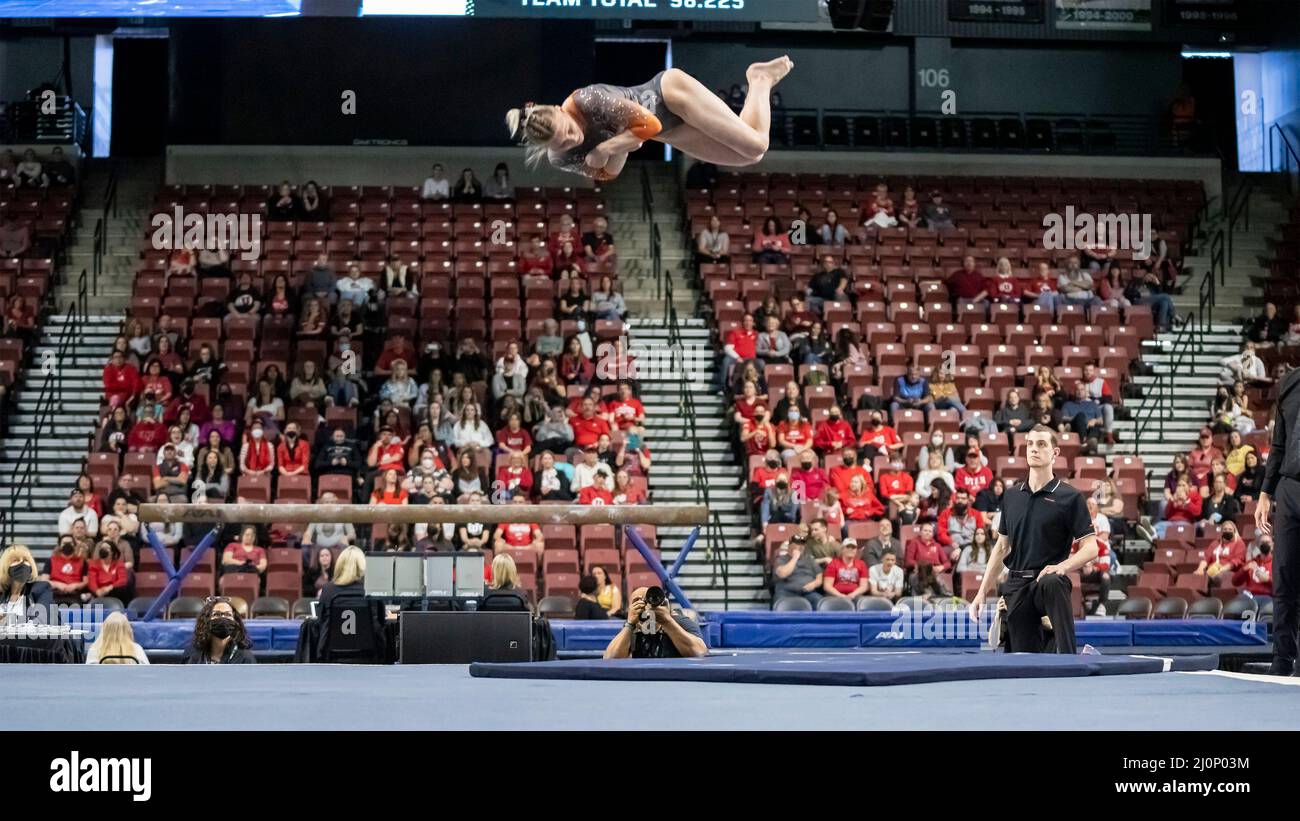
(1040, 519)
(1282, 484)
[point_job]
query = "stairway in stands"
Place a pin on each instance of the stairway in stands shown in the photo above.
(668, 433)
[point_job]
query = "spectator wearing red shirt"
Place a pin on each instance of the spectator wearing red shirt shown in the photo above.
(811, 479)
(518, 534)
(1200, 460)
(765, 475)
(966, 284)
(1185, 506)
(148, 433)
(1042, 288)
(833, 433)
(747, 403)
(514, 438)
(880, 436)
(67, 571)
(588, 426)
(627, 492)
(244, 556)
(925, 548)
(388, 452)
(957, 524)
(293, 455)
(1256, 575)
(515, 478)
(793, 434)
(536, 261)
(897, 485)
(842, 474)
(389, 491)
(758, 435)
(256, 456)
(1003, 286)
(596, 493)
(740, 345)
(106, 575)
(860, 503)
(974, 476)
(845, 576)
(121, 380)
(1224, 557)
(626, 410)
(395, 347)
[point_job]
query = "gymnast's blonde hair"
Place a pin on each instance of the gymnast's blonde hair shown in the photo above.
(536, 124)
(116, 641)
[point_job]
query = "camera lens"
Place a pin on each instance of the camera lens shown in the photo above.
(655, 597)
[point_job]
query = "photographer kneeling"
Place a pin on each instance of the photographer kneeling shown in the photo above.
(653, 631)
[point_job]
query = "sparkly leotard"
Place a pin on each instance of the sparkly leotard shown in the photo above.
(605, 111)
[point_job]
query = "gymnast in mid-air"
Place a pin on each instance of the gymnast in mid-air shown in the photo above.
(595, 129)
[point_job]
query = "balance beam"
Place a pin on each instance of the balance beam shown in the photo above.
(427, 514)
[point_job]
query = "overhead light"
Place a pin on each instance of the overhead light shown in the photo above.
(1210, 55)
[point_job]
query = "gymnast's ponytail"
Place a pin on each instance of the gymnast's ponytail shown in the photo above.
(532, 126)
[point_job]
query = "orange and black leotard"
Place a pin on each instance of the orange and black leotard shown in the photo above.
(605, 111)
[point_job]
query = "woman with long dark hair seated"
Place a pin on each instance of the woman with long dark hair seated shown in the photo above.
(219, 636)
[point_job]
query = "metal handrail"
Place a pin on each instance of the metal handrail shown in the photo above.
(1237, 208)
(1205, 308)
(1155, 408)
(1288, 156)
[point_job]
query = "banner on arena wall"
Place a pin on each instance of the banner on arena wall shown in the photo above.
(1103, 15)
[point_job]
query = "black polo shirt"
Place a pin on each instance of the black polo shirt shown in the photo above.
(1041, 526)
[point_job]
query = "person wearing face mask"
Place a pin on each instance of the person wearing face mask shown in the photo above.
(779, 504)
(897, 487)
(256, 457)
(758, 435)
(841, 475)
(1256, 575)
(339, 457)
(293, 455)
(107, 576)
(219, 636)
(22, 597)
(808, 478)
(764, 476)
(794, 433)
(879, 438)
(833, 433)
(66, 572)
(1222, 558)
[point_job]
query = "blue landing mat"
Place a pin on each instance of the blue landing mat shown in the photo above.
(845, 669)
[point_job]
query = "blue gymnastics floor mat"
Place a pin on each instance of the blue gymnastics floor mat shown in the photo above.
(856, 669)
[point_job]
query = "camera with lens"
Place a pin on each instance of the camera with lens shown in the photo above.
(655, 597)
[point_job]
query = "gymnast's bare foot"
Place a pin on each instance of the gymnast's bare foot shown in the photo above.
(772, 71)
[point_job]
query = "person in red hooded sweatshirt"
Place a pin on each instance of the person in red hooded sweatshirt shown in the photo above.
(833, 433)
(925, 548)
(957, 524)
(842, 474)
(121, 380)
(1256, 575)
(148, 433)
(861, 502)
(1224, 557)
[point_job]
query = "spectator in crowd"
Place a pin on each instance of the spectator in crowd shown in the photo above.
(170, 535)
(1222, 558)
(77, 509)
(846, 576)
(958, 523)
(974, 475)
(909, 211)
(832, 232)
(771, 245)
(1251, 480)
(121, 380)
(1256, 575)
(1235, 414)
(293, 455)
(879, 439)
(329, 535)
(1185, 507)
(354, 287)
(1292, 336)
(779, 505)
(938, 217)
(107, 575)
(713, 244)
(1041, 289)
(1220, 505)
(473, 535)
(606, 302)
(626, 492)
(860, 502)
(115, 643)
(58, 171)
(1085, 417)
(1098, 390)
(283, 205)
(833, 433)
(23, 597)
(873, 552)
(467, 188)
(944, 391)
(924, 582)
(966, 284)
(389, 489)
(339, 457)
(773, 346)
(829, 284)
(1098, 571)
(598, 244)
(219, 636)
(925, 548)
(1003, 285)
(170, 474)
(878, 209)
(1111, 504)
(518, 534)
(1200, 459)
(897, 487)
(15, 237)
(794, 433)
(975, 556)
(470, 431)
(795, 572)
(587, 607)
(1244, 367)
(741, 345)
(319, 572)
(313, 206)
(886, 577)
(1076, 286)
(504, 592)
(66, 571)
(499, 187)
(608, 594)
(256, 456)
(911, 391)
(244, 556)
(1013, 417)
(436, 186)
(554, 433)
(30, 173)
(1146, 288)
(1267, 329)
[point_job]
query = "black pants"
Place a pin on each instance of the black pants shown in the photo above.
(1028, 601)
(1286, 568)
